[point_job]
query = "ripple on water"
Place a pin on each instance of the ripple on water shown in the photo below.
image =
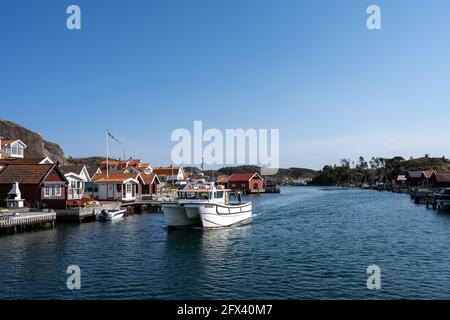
(306, 243)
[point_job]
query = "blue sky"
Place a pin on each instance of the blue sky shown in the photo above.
(311, 69)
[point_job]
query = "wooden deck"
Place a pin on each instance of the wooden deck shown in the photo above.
(142, 205)
(26, 220)
(83, 214)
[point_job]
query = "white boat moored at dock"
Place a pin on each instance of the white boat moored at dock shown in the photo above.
(109, 215)
(207, 206)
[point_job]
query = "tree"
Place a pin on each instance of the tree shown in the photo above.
(362, 169)
(345, 163)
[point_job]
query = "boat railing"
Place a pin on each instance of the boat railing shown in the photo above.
(243, 207)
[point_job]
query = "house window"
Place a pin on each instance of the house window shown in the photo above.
(52, 191)
(128, 188)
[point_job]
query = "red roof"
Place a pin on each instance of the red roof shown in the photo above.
(442, 176)
(428, 173)
(166, 171)
(22, 161)
(110, 162)
(27, 174)
(114, 177)
(149, 178)
(6, 142)
(222, 179)
(243, 177)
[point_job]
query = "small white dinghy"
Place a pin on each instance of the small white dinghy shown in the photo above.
(109, 215)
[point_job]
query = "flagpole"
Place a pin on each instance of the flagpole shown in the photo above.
(107, 154)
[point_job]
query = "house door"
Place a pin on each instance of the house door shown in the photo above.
(110, 191)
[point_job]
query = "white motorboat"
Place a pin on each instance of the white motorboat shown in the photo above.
(207, 206)
(109, 215)
(175, 215)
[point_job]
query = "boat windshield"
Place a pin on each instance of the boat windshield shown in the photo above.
(194, 195)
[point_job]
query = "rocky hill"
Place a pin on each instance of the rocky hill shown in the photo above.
(292, 173)
(37, 146)
(427, 163)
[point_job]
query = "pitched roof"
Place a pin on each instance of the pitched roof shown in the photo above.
(72, 168)
(6, 142)
(114, 177)
(110, 162)
(144, 165)
(166, 171)
(243, 177)
(442, 176)
(92, 170)
(148, 178)
(25, 174)
(134, 161)
(22, 161)
(414, 174)
(428, 173)
(7, 161)
(222, 179)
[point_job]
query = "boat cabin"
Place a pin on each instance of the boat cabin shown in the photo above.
(205, 193)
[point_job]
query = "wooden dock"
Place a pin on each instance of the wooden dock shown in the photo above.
(83, 214)
(422, 196)
(25, 220)
(440, 205)
(142, 206)
(150, 203)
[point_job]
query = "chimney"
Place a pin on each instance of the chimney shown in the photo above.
(14, 197)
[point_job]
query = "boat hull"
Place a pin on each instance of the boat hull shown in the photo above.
(192, 212)
(111, 215)
(175, 216)
(217, 215)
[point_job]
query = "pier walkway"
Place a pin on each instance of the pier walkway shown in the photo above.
(21, 220)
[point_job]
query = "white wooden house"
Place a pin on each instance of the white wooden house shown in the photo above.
(117, 186)
(12, 148)
(77, 176)
(170, 174)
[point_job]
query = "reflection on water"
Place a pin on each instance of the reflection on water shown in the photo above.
(305, 243)
(216, 244)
